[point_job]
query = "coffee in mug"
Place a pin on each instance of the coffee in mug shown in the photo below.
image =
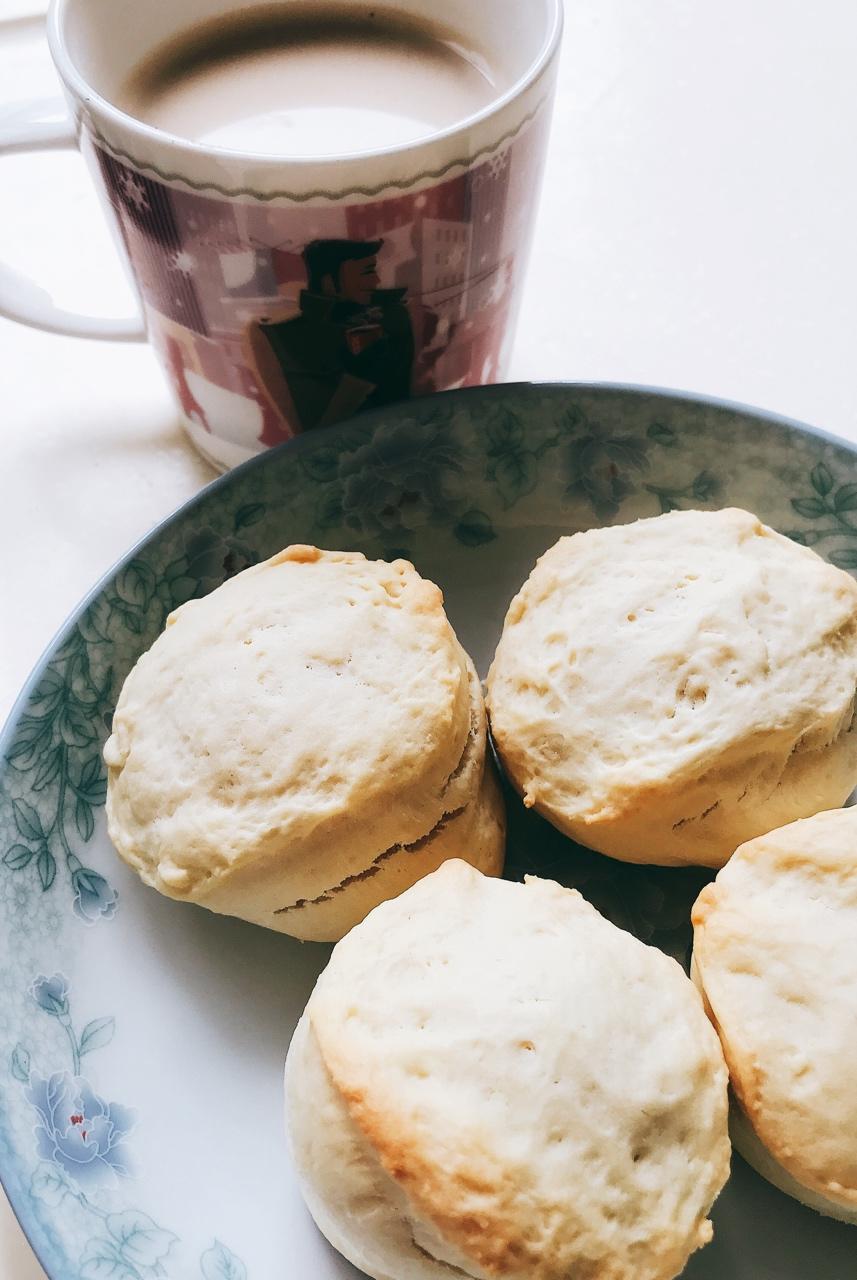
(305, 81)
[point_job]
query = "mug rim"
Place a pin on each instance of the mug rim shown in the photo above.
(86, 93)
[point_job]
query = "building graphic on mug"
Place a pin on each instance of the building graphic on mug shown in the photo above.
(274, 317)
(350, 347)
(220, 236)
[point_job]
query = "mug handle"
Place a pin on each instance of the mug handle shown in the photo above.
(22, 299)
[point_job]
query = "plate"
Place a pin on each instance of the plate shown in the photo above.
(142, 1041)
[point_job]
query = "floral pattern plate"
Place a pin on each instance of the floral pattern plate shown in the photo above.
(142, 1041)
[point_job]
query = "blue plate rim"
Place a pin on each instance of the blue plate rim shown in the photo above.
(298, 443)
(24, 1220)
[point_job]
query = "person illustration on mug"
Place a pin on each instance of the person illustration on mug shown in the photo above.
(350, 347)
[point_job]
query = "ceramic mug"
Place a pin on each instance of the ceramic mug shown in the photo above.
(226, 250)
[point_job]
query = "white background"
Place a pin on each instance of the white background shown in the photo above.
(696, 231)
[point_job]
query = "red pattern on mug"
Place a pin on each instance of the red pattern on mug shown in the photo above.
(275, 318)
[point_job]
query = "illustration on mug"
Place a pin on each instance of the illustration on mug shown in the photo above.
(275, 317)
(351, 345)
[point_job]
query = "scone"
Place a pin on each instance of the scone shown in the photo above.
(775, 953)
(490, 1079)
(302, 743)
(665, 690)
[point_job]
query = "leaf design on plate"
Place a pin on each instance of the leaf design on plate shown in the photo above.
(832, 506)
(810, 508)
(140, 1241)
(47, 868)
(321, 464)
(135, 584)
(19, 1064)
(101, 1260)
(96, 1034)
(662, 435)
(48, 1184)
(251, 513)
(512, 463)
(84, 820)
(702, 488)
(49, 768)
(220, 1263)
(475, 528)
(845, 498)
(66, 715)
(821, 479)
(516, 475)
(18, 857)
(27, 820)
(92, 784)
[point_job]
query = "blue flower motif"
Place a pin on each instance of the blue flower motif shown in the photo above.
(604, 468)
(94, 899)
(405, 476)
(79, 1131)
(51, 994)
(208, 560)
(212, 556)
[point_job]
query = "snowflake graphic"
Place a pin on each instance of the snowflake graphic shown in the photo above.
(183, 261)
(498, 288)
(498, 163)
(134, 191)
(455, 256)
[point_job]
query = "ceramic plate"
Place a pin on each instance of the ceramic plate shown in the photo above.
(142, 1041)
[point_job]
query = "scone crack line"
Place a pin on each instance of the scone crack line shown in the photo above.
(374, 867)
(438, 1262)
(284, 743)
(465, 755)
(698, 817)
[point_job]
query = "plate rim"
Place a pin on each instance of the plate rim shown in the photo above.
(19, 1204)
(298, 443)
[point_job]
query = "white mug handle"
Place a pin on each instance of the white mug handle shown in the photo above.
(22, 299)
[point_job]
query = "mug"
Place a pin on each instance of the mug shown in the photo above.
(227, 251)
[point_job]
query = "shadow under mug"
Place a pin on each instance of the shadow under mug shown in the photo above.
(226, 249)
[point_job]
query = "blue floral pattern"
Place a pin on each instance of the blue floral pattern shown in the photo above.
(831, 507)
(473, 482)
(82, 1143)
(78, 1130)
(220, 1263)
(51, 994)
(404, 475)
(56, 753)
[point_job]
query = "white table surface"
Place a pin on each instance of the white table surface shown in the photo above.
(697, 230)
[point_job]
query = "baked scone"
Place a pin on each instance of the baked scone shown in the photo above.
(775, 953)
(665, 690)
(490, 1079)
(301, 743)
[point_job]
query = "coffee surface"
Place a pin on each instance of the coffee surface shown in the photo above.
(300, 82)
